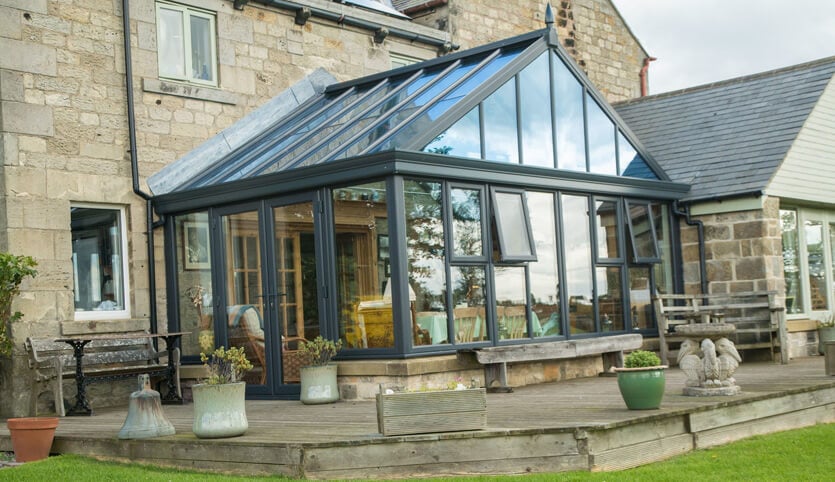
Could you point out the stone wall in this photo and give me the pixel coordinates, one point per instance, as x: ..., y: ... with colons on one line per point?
x: 592, y: 31
x: 743, y: 251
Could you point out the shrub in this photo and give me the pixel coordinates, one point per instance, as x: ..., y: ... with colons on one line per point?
x: 318, y: 352
x: 13, y: 270
x: 641, y: 359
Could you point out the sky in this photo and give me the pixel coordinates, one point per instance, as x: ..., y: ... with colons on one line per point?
x: 704, y: 41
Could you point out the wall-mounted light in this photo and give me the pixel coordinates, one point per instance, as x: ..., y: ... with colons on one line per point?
x: 302, y: 15
x: 239, y: 4
x: 380, y: 34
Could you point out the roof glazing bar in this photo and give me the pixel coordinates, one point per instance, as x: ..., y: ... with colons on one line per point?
x: 432, y: 102
x: 303, y: 156
x: 264, y: 165
x: 263, y: 142
x: 384, y: 116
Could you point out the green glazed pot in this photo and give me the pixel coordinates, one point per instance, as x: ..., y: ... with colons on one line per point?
x: 642, y: 388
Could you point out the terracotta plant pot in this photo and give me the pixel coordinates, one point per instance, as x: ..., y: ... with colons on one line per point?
x: 32, y: 437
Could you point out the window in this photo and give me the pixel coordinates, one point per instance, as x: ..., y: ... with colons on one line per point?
x: 186, y: 44
x: 642, y: 233
x: 99, y: 244
x: 399, y: 60
x: 513, y: 226
x: 808, y: 237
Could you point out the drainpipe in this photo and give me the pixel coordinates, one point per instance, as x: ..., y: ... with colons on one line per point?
x: 700, y: 230
x: 643, y: 75
x: 152, y: 284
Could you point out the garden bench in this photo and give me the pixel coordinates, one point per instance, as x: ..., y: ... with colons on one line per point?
x: 757, y: 317
x: 496, y: 358
x: 100, y: 358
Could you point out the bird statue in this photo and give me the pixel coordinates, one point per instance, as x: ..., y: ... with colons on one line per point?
x: 711, y: 364
x: 729, y: 360
x: 691, y: 363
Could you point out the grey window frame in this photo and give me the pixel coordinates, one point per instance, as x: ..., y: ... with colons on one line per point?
x: 505, y: 257
x: 636, y: 258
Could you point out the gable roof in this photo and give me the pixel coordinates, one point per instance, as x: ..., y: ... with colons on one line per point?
x: 410, y: 107
x: 728, y: 139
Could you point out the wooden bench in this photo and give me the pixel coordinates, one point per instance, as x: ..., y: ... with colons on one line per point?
x: 103, y: 358
x: 496, y: 358
x: 759, y: 320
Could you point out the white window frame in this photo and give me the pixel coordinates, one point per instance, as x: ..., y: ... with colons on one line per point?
x: 189, y: 12
x: 825, y: 217
x: 123, y: 232
x: 399, y: 60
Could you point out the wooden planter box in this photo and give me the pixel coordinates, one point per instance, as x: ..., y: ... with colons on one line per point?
x: 402, y: 413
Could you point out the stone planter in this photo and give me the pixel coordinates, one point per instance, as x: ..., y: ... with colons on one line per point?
x: 219, y: 410
x: 402, y: 413
x: 642, y: 388
x: 829, y: 357
x: 318, y: 384
x: 32, y: 437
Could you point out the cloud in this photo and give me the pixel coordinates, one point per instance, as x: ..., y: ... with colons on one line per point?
x: 712, y: 40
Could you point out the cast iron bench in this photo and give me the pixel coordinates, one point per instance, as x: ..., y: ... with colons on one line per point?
x: 496, y: 358
x: 100, y: 358
x: 759, y: 320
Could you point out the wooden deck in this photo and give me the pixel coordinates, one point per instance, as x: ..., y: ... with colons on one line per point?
x: 571, y: 425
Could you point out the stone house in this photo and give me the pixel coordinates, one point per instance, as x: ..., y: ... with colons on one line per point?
x: 79, y: 142
x: 759, y: 154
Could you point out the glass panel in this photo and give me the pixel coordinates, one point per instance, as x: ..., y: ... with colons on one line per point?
x: 297, y: 303
x: 424, y: 121
x: 469, y: 314
x: 818, y: 293
x: 201, y: 48
x: 832, y: 255
x: 642, y: 238
x: 362, y: 266
x: 97, y: 257
x: 610, y: 298
x: 601, y: 133
x: 791, y: 261
x: 511, y: 303
x: 360, y: 144
x: 571, y: 141
x: 425, y: 257
x: 463, y: 139
x: 535, y: 110
x: 171, y: 43
x: 664, y: 269
x: 575, y: 219
x: 545, y: 282
x: 347, y: 120
x: 608, y: 229
x: 245, y: 292
x: 640, y: 298
x: 631, y: 163
x: 466, y: 222
x: 501, y: 140
x: 513, y: 226
x: 194, y: 283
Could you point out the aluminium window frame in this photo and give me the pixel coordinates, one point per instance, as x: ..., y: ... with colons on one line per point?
x: 188, y: 12
x: 504, y: 256
x: 636, y: 258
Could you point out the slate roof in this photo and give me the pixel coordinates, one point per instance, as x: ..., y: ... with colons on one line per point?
x: 728, y: 139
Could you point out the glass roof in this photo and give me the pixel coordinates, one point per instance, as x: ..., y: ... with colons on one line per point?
x: 510, y: 102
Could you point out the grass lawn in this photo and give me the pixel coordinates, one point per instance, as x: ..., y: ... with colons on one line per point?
x: 806, y: 454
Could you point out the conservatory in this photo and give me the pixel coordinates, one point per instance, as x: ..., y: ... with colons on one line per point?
x: 484, y: 198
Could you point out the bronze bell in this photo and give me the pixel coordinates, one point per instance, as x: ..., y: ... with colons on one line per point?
x: 145, y: 416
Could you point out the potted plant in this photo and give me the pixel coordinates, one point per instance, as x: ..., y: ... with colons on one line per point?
x: 31, y: 436
x: 641, y: 381
x: 826, y: 331
x: 219, y: 401
x: 318, y: 374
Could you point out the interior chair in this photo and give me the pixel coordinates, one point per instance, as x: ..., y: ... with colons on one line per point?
x: 248, y: 320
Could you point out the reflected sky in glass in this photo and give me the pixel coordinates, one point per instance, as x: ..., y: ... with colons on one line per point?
x: 571, y: 147
x: 466, y: 222
x: 578, y: 267
x: 463, y: 139
x: 545, y: 284
x: 608, y: 228
x: 535, y: 105
x: 500, y: 139
x: 601, y: 132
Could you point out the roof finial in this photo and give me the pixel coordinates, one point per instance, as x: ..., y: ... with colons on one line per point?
x: 549, y: 16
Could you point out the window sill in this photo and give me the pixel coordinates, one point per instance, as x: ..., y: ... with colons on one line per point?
x: 190, y: 91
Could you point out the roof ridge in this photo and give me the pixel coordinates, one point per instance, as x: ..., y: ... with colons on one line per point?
x: 736, y: 80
